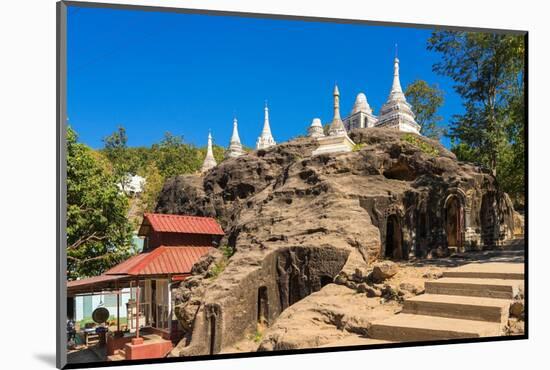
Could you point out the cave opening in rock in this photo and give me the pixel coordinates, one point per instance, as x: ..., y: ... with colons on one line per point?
x: 263, y: 306
x: 305, y: 270
x: 394, y: 238
x: 453, y: 222
x: 325, y: 280
x: 400, y: 171
x: 212, y: 334
x: 423, y: 225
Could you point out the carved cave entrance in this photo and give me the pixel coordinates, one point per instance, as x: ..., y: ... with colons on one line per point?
x: 305, y: 270
x: 212, y: 334
x: 394, y: 238
x: 263, y: 307
x: 453, y: 222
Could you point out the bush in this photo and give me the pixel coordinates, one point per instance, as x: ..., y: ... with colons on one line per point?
x: 217, y: 269
x: 421, y: 144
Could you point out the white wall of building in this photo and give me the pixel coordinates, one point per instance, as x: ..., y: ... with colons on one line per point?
x: 85, y: 305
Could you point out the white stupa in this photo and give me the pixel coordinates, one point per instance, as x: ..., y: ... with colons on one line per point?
x: 337, y: 140
x: 265, y: 140
x: 235, y: 148
x: 361, y: 115
x: 209, y: 160
x: 396, y: 113
x: 315, y: 129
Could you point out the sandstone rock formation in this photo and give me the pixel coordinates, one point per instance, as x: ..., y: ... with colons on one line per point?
x: 299, y: 222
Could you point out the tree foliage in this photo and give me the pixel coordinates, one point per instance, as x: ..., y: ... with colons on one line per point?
x: 154, y: 182
x: 488, y: 73
x: 117, y: 153
x: 98, y: 232
x: 426, y: 100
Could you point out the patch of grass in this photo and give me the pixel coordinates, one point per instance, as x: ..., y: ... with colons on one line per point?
x: 256, y: 337
x: 422, y: 145
x: 227, y: 251
x: 217, y: 269
x: 358, y: 147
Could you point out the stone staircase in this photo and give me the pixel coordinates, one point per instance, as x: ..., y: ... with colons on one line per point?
x: 470, y: 301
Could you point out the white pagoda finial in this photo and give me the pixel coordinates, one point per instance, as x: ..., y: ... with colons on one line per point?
x: 337, y: 126
x: 235, y: 148
x: 267, y: 129
x: 266, y: 139
x: 209, y: 160
x: 235, y: 136
x: 396, y: 86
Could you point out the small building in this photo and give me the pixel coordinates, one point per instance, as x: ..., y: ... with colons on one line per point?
x: 172, y: 245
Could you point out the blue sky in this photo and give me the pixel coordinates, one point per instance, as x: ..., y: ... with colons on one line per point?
x: 153, y: 72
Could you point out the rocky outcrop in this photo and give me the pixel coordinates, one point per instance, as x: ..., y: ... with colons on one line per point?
x: 299, y: 222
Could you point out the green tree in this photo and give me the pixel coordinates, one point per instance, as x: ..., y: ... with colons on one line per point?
x: 426, y: 100
x: 116, y: 150
x: 173, y: 157
x: 488, y: 73
x: 153, y: 185
x: 98, y: 233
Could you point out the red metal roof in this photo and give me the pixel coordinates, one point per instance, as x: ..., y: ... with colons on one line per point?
x: 162, y: 260
x: 91, y: 280
x: 96, y: 284
x: 183, y: 224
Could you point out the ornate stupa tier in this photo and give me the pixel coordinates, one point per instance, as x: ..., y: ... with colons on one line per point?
x: 209, y: 160
x: 265, y: 140
x: 315, y: 129
x: 337, y: 140
x: 396, y: 112
x: 235, y: 148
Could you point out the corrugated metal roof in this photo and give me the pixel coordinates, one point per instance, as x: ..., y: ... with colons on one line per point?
x: 162, y: 260
x: 96, y: 284
x: 91, y: 280
x: 183, y: 224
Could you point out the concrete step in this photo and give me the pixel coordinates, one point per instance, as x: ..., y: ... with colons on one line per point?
x: 458, y: 307
x: 354, y: 340
x: 489, y: 288
x: 492, y: 270
x: 407, y: 327
x: 115, y: 358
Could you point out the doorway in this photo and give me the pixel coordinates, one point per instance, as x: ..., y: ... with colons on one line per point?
x: 453, y: 222
x: 212, y: 334
x: 394, y: 238
x: 263, y: 308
